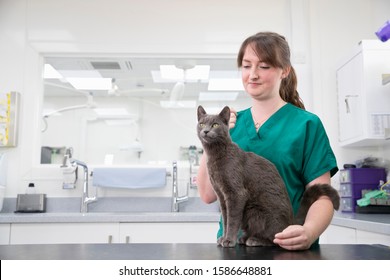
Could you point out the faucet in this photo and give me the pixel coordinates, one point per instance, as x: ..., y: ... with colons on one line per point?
x: 85, y: 199
x: 74, y: 163
x: 176, y: 199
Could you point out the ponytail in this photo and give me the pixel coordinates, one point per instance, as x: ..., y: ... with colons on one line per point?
x: 288, y: 90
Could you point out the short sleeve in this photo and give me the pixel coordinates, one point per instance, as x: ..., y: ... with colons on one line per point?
x: 318, y: 155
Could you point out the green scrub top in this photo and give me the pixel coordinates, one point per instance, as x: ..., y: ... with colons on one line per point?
x: 294, y: 140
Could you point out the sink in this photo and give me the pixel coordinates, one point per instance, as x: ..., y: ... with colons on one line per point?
x: 130, y: 205
x: 120, y: 206
x: 114, y: 209
x: 149, y: 205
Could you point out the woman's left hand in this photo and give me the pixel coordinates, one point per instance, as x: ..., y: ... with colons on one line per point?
x: 294, y: 237
x: 233, y: 118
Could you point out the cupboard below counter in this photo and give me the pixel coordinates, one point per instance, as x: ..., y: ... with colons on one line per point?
x: 68, y: 228
x: 354, y: 228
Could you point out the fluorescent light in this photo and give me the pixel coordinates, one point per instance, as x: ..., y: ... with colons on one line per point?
x: 156, y: 75
x: 225, y: 84
x: 80, y: 74
x: 171, y: 72
x: 183, y: 104
x: 90, y: 83
x: 218, y: 96
x: 50, y: 73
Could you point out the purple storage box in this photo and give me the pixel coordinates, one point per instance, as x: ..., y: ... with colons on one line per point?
x: 354, y: 180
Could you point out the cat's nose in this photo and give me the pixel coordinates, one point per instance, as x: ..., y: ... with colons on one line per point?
x: 206, y: 131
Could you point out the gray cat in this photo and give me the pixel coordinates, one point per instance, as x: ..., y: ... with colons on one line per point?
x: 251, y: 193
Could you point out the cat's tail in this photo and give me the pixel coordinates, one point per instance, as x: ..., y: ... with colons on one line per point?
x: 311, y: 194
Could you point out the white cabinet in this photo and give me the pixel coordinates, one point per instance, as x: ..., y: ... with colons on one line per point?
x: 345, y: 235
x: 338, y: 235
x: 363, y: 101
x: 365, y: 237
x: 64, y: 233
x: 84, y: 233
x: 4, y: 234
x: 168, y: 232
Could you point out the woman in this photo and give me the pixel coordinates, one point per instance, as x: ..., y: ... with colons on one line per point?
x: 278, y: 128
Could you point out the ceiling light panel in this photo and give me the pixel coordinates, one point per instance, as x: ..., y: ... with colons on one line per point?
x: 90, y: 83
x: 171, y: 72
x: 80, y: 74
x: 51, y: 73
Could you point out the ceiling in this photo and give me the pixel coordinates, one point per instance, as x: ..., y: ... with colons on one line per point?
x: 133, y: 74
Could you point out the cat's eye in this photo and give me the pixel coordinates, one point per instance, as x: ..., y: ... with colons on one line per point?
x: 215, y: 125
x: 202, y: 125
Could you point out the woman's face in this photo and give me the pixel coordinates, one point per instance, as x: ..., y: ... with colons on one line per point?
x: 261, y: 80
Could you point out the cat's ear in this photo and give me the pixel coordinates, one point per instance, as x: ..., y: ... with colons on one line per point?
x: 201, y: 112
x: 225, y: 114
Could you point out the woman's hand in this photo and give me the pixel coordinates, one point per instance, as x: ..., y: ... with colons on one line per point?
x: 233, y: 118
x: 294, y: 237
x: 297, y: 237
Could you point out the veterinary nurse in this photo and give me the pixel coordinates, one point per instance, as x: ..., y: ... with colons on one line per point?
x: 278, y: 127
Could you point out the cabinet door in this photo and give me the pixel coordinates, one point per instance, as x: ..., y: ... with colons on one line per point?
x: 338, y: 235
x: 377, y: 63
x: 64, y: 233
x: 365, y: 237
x: 168, y: 232
x: 349, y: 87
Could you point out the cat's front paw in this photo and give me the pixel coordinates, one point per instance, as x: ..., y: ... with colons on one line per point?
x: 227, y: 243
x: 254, y: 242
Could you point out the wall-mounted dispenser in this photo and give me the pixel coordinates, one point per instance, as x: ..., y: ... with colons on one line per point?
x: 9, y: 103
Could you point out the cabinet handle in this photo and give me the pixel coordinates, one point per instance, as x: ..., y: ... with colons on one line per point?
x: 347, y: 108
x: 109, y: 239
x: 127, y: 239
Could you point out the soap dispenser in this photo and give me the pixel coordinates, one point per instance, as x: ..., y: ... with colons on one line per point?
x: 31, y: 189
x: 31, y: 201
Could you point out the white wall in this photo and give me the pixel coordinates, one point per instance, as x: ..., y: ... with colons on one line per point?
x: 323, y: 30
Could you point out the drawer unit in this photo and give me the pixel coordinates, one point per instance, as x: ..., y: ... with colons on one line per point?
x: 346, y: 204
x: 353, y: 181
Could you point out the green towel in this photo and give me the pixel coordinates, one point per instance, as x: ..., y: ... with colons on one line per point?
x: 372, y: 194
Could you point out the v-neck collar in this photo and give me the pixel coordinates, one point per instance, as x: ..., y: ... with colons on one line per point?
x: 250, y: 126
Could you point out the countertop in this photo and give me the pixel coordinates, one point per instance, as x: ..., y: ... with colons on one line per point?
x: 117, y: 209
x: 377, y: 223
x: 188, y: 252
x: 128, y: 210
x: 114, y: 217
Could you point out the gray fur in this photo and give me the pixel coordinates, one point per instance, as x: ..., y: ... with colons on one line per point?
x: 251, y: 193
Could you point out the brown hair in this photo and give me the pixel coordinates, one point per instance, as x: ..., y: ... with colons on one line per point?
x: 274, y: 50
